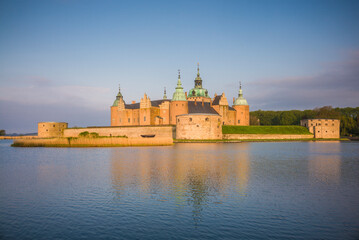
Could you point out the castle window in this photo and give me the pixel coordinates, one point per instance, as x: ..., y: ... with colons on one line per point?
x: 176, y: 105
x: 178, y: 120
x: 134, y: 120
x: 182, y: 104
x: 332, y: 124
x: 120, y: 119
x: 144, y: 119
x: 239, y: 121
x: 319, y: 124
x: 43, y: 125
x: 190, y: 119
x: 219, y: 120
x: 129, y: 120
x: 54, y: 125
x: 326, y: 124
x: 197, y: 125
x: 47, y: 130
x: 207, y: 119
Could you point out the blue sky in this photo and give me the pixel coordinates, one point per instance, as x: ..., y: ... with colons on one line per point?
x: 62, y: 60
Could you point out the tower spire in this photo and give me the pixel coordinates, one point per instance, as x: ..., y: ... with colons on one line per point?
x: 164, y: 94
x: 240, y: 92
x: 119, y: 94
x: 198, y: 69
x: 179, y: 95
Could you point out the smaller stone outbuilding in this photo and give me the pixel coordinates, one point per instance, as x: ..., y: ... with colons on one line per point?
x: 322, y: 128
x: 51, y: 129
x: 199, y: 126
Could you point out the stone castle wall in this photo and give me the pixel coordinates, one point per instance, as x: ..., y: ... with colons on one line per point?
x: 51, y: 129
x: 322, y: 128
x: 131, y: 132
x: 199, y: 126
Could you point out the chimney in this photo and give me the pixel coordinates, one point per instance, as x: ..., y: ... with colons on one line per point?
x: 186, y: 94
x: 202, y: 102
x: 233, y: 100
x: 133, y: 102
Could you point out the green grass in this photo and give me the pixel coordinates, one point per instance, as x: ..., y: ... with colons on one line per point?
x: 264, y: 130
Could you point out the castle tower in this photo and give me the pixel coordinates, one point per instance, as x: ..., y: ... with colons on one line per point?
x: 179, y: 104
x: 198, y: 93
x: 242, y: 109
x: 117, y: 106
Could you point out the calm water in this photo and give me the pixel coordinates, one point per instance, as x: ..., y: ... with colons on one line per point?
x: 298, y: 190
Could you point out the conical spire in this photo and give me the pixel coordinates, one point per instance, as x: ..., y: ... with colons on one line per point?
x: 240, y: 99
x: 118, y: 97
x: 164, y: 94
x: 240, y: 92
x: 179, y: 95
x: 179, y: 83
x: 119, y: 94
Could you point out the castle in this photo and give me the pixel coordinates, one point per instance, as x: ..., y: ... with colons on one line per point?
x: 196, y: 115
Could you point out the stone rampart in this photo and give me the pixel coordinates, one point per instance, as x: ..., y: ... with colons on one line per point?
x: 199, y: 126
x: 50, y: 129
x: 131, y: 132
x: 267, y: 136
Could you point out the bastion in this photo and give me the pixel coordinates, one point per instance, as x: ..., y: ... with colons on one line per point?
x: 51, y: 129
x: 199, y: 126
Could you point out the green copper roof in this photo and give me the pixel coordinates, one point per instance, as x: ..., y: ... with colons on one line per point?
x: 118, y: 97
x: 240, y: 99
x: 198, y: 91
x: 179, y: 94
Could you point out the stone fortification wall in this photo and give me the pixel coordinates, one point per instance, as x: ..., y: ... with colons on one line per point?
x: 199, y: 126
x: 131, y: 132
x: 322, y: 128
x: 51, y: 129
x: 267, y: 136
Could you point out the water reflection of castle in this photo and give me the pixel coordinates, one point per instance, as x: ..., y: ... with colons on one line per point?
x: 188, y: 174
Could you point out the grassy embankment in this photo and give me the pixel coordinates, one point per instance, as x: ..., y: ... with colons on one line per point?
x: 293, y: 130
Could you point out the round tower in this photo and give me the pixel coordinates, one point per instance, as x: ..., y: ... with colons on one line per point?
x: 242, y: 109
x: 179, y: 104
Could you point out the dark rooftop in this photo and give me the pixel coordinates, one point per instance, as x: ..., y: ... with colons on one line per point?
x: 155, y: 103
x: 216, y: 100
x: 198, y: 108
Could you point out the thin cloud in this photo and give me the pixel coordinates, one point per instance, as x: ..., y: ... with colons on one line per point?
x: 337, y: 85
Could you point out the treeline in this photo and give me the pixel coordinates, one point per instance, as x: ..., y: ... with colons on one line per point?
x: 349, y: 122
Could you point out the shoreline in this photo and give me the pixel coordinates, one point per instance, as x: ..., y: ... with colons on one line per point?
x: 139, y: 142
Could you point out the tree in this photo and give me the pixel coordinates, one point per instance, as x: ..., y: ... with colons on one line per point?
x: 253, y: 120
x: 2, y: 132
x: 287, y: 118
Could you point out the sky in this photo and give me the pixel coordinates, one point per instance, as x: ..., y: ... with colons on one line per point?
x: 63, y: 60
